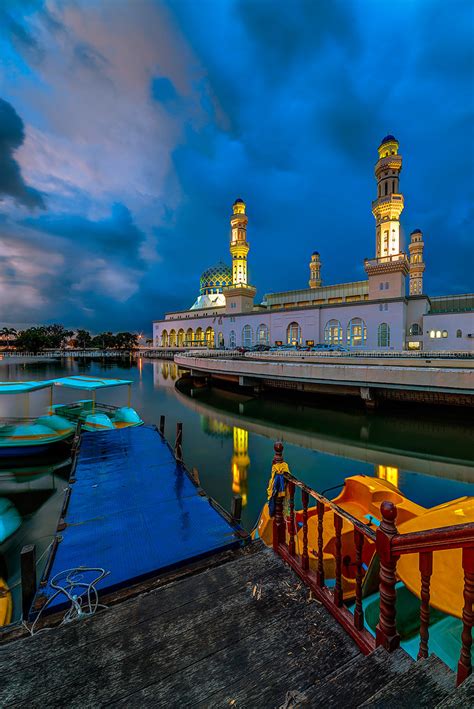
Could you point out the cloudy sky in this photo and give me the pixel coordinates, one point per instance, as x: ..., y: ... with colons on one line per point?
x: 128, y: 128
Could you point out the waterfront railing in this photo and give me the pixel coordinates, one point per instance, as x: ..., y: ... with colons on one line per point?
x: 389, y: 546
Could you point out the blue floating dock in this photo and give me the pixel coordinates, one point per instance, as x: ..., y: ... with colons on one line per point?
x: 134, y: 511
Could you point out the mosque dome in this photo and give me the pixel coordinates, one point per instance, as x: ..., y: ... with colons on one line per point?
x: 416, y: 231
x: 388, y: 139
x: 315, y: 253
x: 215, y: 278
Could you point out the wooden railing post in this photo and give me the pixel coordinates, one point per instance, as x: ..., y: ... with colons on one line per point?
x: 358, y: 612
x: 338, y: 597
x: 178, y: 449
x: 425, y: 563
x: 304, y: 555
x: 236, y: 508
x: 28, y: 578
x: 320, y: 570
x: 464, y: 664
x: 291, y: 543
x: 386, y: 631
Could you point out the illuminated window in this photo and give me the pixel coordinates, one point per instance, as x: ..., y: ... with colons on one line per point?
x: 172, y: 338
x: 383, y: 335
x: 432, y: 334
x: 199, y: 337
x: 189, y: 337
x: 164, y: 338
x: 333, y: 333
x: 356, y: 333
x: 181, y: 338
x: 458, y: 333
x: 293, y: 334
x: 262, y: 334
x: 415, y: 329
x: 232, y: 339
x: 247, y: 336
x: 444, y: 333
x: 209, y: 337
x: 438, y: 333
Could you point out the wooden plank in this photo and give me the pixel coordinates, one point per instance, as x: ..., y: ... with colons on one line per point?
x: 351, y: 685
x: 425, y: 684
x: 296, y: 665
x: 251, y: 568
x: 127, y: 659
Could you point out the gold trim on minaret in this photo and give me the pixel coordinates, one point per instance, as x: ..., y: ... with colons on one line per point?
x: 239, y: 246
x: 315, y: 271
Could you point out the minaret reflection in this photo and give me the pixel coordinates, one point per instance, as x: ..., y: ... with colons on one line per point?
x: 388, y: 473
x: 240, y: 464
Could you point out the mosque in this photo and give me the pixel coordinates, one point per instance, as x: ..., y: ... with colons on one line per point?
x: 389, y: 310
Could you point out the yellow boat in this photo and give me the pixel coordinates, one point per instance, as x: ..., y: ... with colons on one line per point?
x: 6, y: 604
x: 361, y: 497
x: 447, y: 580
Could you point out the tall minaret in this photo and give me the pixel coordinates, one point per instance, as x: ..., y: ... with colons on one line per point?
x: 417, y: 265
x: 389, y: 203
x: 239, y: 247
x: 315, y: 270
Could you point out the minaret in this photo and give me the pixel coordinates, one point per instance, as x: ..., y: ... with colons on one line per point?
x: 315, y: 270
x: 388, y: 270
x: 389, y: 203
x: 239, y: 247
x: 417, y: 265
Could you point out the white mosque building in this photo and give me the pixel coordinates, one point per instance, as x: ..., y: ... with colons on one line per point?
x: 382, y: 312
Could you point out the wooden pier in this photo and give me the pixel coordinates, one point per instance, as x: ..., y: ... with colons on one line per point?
x: 243, y: 633
x: 229, y: 623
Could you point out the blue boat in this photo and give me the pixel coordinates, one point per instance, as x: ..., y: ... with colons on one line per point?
x: 24, y: 437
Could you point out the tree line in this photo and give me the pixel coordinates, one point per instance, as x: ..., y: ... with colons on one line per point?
x: 44, y: 337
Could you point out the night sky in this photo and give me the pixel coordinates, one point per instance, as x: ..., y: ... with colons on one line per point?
x: 127, y: 129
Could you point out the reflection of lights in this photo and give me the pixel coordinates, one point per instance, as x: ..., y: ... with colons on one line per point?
x: 240, y: 463
x: 140, y: 366
x: 388, y: 473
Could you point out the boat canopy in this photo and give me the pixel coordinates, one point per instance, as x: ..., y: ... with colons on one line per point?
x: 22, y: 387
x: 88, y: 383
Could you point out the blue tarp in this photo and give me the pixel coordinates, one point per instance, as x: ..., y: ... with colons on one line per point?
x: 134, y: 511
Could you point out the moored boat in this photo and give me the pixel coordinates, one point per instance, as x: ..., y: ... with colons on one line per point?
x: 361, y: 497
x: 91, y: 414
x: 22, y: 437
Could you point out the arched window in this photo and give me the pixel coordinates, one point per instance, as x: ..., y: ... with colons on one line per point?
x: 209, y: 337
x: 247, y: 336
x: 232, y: 339
x: 293, y: 334
x: 386, y: 187
x: 220, y: 339
x: 333, y: 333
x: 172, y: 338
x: 356, y: 333
x: 199, y: 337
x: 189, y: 337
x: 415, y: 329
x: 383, y: 335
x: 458, y: 333
x: 181, y: 338
x: 262, y: 334
x: 164, y: 338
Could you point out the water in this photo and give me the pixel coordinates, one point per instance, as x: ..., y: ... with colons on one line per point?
x: 229, y: 439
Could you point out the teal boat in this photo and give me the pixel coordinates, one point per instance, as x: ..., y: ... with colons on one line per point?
x: 24, y: 436
x: 91, y: 414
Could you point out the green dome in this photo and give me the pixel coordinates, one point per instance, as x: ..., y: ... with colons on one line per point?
x: 215, y: 278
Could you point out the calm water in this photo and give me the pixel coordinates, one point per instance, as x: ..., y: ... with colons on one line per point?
x: 229, y: 439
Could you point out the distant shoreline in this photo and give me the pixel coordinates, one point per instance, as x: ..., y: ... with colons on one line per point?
x: 26, y: 360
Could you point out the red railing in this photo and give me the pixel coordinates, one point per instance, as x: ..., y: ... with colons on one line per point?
x: 389, y: 546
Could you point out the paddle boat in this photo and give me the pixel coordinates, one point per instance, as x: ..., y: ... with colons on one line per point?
x: 92, y: 415
x: 24, y: 436
x: 446, y: 588
x: 361, y: 497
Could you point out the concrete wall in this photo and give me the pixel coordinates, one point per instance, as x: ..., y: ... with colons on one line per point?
x: 450, y: 323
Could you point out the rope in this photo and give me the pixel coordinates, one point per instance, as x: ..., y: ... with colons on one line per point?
x: 82, y: 595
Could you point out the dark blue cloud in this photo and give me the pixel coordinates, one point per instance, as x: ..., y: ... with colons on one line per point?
x: 12, y: 135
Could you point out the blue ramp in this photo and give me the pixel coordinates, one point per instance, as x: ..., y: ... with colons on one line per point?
x: 134, y: 511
